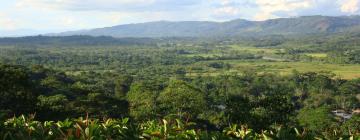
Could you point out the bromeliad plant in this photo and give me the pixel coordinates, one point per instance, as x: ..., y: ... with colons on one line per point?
x: 240, y: 133
x: 26, y: 128
x: 83, y: 129
x: 168, y: 130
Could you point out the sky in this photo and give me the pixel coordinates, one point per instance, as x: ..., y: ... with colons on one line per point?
x: 20, y: 17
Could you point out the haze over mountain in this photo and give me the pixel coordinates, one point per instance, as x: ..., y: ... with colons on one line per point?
x: 282, y: 26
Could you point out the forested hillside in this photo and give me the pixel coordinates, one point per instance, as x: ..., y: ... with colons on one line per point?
x: 284, y: 26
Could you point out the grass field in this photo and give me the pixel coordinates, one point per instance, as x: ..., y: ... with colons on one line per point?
x: 254, y: 49
x: 345, y: 71
x: 201, y: 55
x: 317, y: 55
x: 285, y: 68
x: 232, y: 48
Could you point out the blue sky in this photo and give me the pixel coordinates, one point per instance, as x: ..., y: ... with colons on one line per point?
x: 40, y: 16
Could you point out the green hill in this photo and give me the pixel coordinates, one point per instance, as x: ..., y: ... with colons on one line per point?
x: 282, y: 26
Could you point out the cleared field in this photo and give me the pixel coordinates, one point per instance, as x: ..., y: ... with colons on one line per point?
x: 202, y: 55
x: 284, y: 68
x: 317, y: 55
x: 221, y: 51
x: 254, y: 49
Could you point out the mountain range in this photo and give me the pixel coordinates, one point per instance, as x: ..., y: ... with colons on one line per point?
x: 281, y: 26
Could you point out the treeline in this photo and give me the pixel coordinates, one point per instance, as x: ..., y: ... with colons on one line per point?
x: 79, y: 40
x: 303, y: 100
x: 127, y: 59
x: 340, y: 48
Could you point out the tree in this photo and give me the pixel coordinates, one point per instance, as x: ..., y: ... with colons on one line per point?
x: 16, y: 90
x: 238, y: 109
x: 182, y: 99
x: 122, y: 86
x: 347, y: 91
x: 142, y: 100
x: 317, y: 120
x: 273, y: 109
x: 352, y: 125
x: 54, y: 107
x: 101, y: 105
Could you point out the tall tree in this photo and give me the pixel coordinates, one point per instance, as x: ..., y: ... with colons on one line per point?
x: 16, y: 90
x: 122, y: 86
x: 182, y: 99
x: 142, y: 99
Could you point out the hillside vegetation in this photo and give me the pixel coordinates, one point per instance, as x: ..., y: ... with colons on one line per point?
x: 216, y: 90
x: 284, y: 26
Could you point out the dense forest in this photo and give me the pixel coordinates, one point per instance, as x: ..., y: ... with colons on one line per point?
x: 269, y: 87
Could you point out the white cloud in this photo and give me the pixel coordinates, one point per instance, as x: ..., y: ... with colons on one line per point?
x: 267, y: 8
x: 74, y: 3
x: 225, y: 2
x: 114, y: 17
x: 108, y: 5
x: 228, y: 10
x: 80, y: 14
x: 222, y: 10
x: 7, y: 23
x: 349, y: 6
x: 261, y: 9
x: 67, y: 21
x: 87, y: 19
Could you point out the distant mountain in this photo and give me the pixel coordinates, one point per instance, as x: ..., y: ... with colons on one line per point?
x: 282, y: 26
x: 76, y: 40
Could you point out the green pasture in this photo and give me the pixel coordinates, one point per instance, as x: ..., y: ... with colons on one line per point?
x: 345, y: 71
x: 255, y: 50
x: 317, y: 55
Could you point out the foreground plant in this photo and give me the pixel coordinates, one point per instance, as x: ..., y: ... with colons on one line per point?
x: 26, y: 128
